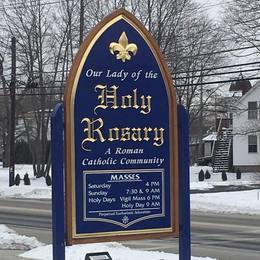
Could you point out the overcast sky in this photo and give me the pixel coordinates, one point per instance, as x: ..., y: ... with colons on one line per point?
x: 213, y: 7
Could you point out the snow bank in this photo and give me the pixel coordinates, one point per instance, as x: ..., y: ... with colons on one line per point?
x: 37, y: 190
x: 116, y: 251
x: 243, y: 202
x: 247, y: 179
x: 9, y: 239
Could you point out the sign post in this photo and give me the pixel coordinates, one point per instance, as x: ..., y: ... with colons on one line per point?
x: 184, y: 185
x: 58, y: 211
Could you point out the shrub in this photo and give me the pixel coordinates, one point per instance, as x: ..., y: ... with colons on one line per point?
x: 224, y: 176
x: 48, y: 180
x: 26, y: 179
x: 238, y: 173
x: 207, y: 175
x: 201, y: 175
x: 17, y: 180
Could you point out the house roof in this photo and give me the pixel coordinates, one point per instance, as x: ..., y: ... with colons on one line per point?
x: 241, y: 84
x: 257, y: 85
x: 210, y: 137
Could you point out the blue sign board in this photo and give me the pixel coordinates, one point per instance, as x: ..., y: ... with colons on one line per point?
x: 121, y: 137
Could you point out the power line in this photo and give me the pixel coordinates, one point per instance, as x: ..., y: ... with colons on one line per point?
x: 20, y: 5
x: 34, y: 94
x: 224, y: 51
x: 173, y: 73
x: 218, y: 52
x: 202, y: 54
x: 216, y: 68
x: 217, y: 74
x: 183, y: 57
x: 47, y: 85
x: 206, y: 42
x: 218, y: 4
x: 176, y: 85
x: 213, y: 82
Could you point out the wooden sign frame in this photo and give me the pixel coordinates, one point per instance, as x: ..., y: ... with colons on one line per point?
x: 71, y: 86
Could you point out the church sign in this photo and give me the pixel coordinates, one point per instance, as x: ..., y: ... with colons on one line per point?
x: 121, y: 137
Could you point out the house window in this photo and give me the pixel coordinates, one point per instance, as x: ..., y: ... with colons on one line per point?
x: 252, y: 110
x: 252, y: 143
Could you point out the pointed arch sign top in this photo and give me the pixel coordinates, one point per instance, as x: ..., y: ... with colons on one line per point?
x: 120, y: 137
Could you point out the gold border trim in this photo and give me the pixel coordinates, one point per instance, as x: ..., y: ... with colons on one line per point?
x: 70, y: 92
x: 108, y: 234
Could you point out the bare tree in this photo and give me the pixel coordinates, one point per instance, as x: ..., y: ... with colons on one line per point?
x: 48, y: 39
x: 242, y: 22
x: 39, y: 56
x: 187, y: 38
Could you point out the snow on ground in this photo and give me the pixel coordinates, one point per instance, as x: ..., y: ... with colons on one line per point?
x: 9, y: 239
x: 37, y: 190
x: 242, y: 202
x: 116, y: 251
x: 247, y: 179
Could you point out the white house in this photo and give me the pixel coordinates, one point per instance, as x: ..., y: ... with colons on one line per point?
x: 246, y: 131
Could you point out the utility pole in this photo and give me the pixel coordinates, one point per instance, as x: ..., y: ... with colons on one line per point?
x: 12, y: 114
x: 81, y: 22
x: 201, y: 123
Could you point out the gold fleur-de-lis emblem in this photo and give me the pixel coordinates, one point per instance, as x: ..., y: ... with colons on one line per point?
x: 122, y: 48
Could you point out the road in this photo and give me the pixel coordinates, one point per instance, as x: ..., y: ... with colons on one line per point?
x: 225, y: 237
